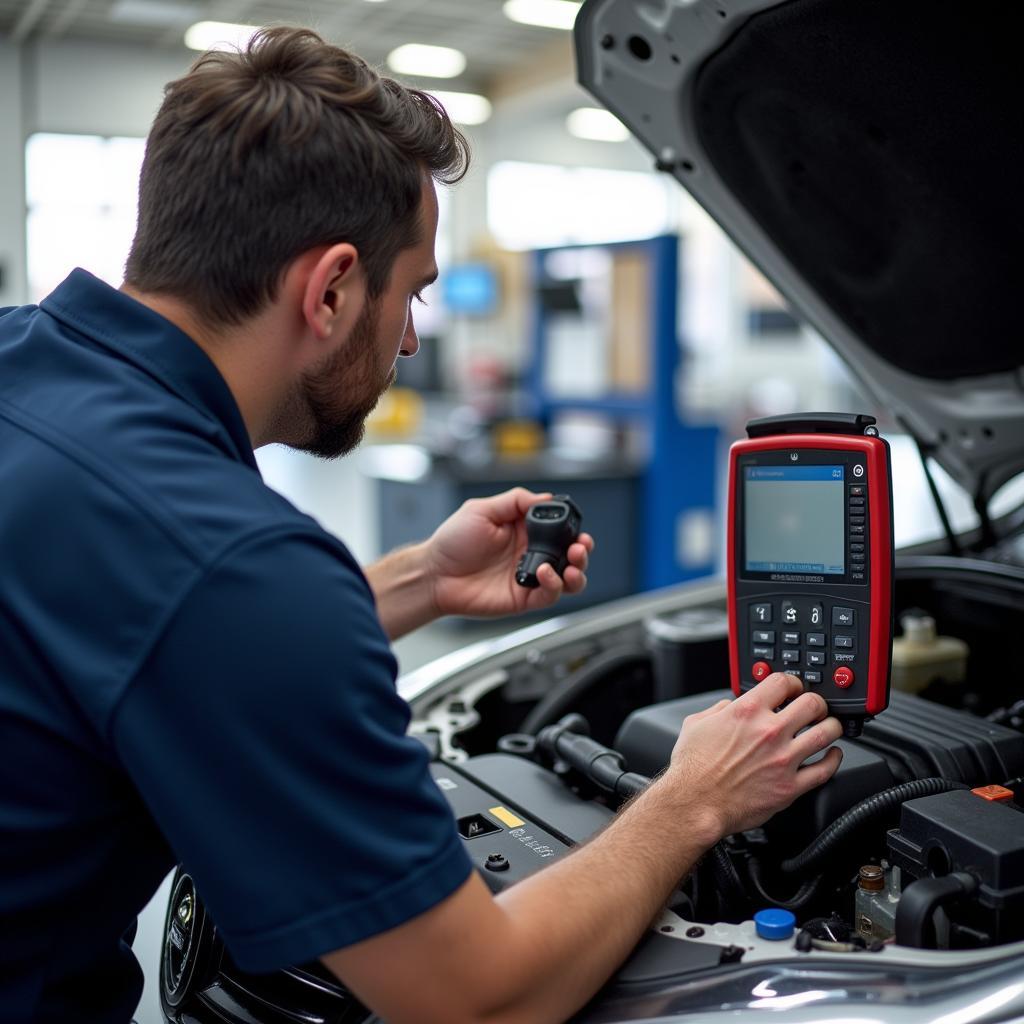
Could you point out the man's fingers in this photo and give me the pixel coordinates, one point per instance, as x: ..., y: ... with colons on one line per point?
x: 807, y: 708
x: 820, y: 772
x: 578, y: 556
x: 773, y: 691
x: 513, y: 503
x: 816, y: 738
x: 587, y: 541
x: 574, y: 580
x: 549, y: 580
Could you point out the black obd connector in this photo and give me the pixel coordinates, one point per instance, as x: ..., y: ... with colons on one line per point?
x: 551, y: 526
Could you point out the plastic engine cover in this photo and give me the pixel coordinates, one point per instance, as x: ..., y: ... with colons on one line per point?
x: 913, y: 739
x: 959, y: 831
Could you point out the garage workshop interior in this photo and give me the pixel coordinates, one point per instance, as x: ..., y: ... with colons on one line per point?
x: 730, y: 283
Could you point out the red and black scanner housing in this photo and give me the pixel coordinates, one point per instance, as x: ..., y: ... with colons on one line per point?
x: 829, y: 622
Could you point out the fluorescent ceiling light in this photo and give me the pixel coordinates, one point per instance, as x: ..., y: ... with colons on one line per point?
x: 464, y: 107
x: 546, y: 13
x: 219, y: 35
x: 595, y: 123
x: 430, y: 61
x: 154, y: 12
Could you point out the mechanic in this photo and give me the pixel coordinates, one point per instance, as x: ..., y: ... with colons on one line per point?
x: 192, y: 669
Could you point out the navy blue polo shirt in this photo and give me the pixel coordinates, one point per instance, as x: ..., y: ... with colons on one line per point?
x: 190, y: 669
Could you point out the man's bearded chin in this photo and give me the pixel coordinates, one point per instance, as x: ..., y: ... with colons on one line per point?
x: 341, y: 393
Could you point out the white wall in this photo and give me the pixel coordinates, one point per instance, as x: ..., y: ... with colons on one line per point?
x: 97, y: 88
x: 13, y: 287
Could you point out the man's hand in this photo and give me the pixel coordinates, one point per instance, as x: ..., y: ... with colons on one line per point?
x: 468, y: 567
x: 472, y: 556
x: 741, y: 760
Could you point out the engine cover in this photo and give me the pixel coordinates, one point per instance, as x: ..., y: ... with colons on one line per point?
x: 913, y: 739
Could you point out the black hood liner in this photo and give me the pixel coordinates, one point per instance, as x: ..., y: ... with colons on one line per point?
x: 879, y: 144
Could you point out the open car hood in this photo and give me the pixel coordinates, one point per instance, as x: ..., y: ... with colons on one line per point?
x: 866, y: 156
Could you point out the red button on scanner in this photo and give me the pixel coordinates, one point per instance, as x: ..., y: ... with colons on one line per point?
x: 760, y: 670
x: 843, y: 677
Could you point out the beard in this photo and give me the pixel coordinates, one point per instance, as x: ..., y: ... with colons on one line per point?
x: 336, y: 396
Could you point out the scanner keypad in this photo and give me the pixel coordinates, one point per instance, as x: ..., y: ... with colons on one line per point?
x: 830, y: 639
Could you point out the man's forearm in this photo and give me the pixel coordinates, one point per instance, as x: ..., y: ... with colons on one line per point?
x: 403, y: 590
x: 606, y: 893
x: 538, y: 952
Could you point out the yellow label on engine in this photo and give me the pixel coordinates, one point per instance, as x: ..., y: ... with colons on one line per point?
x: 505, y: 815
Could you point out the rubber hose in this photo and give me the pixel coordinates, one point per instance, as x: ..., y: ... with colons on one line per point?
x: 727, y: 880
x: 807, y: 891
x: 915, y: 916
x: 867, y: 810
x: 554, y: 704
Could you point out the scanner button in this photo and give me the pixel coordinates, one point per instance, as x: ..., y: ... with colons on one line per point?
x: 812, y: 676
x: 857, y: 546
x: 842, y: 616
x: 789, y: 613
x: 857, y: 491
x: 815, y: 639
x: 760, y: 670
x: 764, y: 636
x: 842, y: 641
x: 843, y: 677
x: 856, y: 531
x: 856, y: 520
x: 817, y: 615
x: 790, y: 657
x: 768, y: 653
x: 760, y: 613
x: 857, y: 577
x: 856, y: 502
x: 791, y: 638
x: 815, y: 657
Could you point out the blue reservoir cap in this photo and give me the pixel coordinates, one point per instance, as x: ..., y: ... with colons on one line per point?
x: 774, y: 924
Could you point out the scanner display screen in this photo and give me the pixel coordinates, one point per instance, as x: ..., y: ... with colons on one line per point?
x: 794, y: 519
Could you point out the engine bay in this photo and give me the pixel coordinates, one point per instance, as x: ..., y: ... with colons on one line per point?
x: 917, y: 843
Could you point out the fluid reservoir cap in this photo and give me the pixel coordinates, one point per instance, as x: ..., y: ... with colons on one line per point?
x: 774, y: 924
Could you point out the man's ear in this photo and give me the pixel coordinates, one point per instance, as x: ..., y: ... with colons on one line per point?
x: 334, y: 290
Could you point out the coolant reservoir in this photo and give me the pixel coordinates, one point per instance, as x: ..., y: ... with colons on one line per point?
x: 919, y: 657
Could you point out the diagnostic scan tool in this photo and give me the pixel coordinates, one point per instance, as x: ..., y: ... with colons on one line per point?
x: 811, y: 559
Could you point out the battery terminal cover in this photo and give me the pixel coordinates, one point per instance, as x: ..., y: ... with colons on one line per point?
x: 995, y: 793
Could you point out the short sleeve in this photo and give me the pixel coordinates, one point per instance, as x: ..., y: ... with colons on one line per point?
x: 268, y: 741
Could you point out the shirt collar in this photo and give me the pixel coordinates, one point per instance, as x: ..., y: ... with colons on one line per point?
x: 141, y: 336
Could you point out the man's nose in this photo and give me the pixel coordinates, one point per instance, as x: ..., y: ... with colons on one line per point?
x: 410, y: 341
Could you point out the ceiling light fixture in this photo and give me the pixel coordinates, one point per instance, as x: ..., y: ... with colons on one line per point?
x: 597, y: 124
x: 546, y: 13
x: 158, y: 13
x: 219, y: 35
x: 428, y: 61
x: 464, y: 107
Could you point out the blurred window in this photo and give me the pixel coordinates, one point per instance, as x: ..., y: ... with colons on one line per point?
x: 532, y: 206
x: 81, y: 194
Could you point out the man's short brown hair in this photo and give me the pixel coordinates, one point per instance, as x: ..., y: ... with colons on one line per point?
x: 258, y: 156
